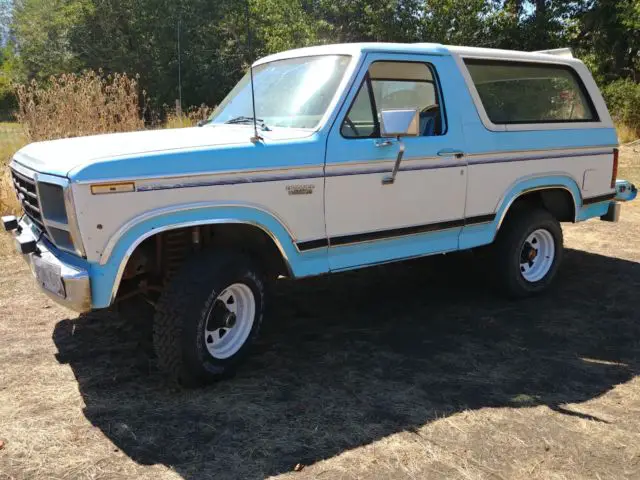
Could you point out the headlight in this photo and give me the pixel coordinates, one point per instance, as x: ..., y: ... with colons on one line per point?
x: 52, y: 202
x: 59, y: 213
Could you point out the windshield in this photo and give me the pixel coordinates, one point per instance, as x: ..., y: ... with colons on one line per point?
x: 289, y: 93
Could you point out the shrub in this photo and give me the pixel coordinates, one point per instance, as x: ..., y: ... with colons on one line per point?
x: 8, y: 101
x: 72, y: 105
x: 623, y: 100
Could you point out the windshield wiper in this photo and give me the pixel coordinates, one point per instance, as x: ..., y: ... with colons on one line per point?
x: 248, y: 120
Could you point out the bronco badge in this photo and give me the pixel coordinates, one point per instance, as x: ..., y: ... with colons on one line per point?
x: 300, y: 189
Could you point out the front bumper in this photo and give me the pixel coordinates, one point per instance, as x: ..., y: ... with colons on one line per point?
x: 67, y: 284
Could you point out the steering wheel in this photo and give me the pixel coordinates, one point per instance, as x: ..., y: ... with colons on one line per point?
x: 430, y: 108
x: 352, y: 126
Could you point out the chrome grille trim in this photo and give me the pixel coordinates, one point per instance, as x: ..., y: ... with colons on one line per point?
x: 27, y: 191
x: 27, y: 184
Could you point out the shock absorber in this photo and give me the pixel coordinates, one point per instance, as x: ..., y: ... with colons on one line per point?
x: 176, y: 245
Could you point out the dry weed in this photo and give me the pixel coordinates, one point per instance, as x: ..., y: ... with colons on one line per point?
x: 12, y: 137
x: 72, y: 105
x: 627, y: 133
x: 68, y: 105
x: 190, y: 118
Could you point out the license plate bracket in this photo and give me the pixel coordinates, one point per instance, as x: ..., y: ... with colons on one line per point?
x: 49, y: 276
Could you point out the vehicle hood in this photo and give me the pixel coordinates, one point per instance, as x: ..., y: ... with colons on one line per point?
x: 67, y: 156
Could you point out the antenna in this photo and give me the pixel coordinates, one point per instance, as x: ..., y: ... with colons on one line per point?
x: 256, y: 137
x: 179, y: 65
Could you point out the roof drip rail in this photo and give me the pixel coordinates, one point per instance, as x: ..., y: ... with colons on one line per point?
x: 558, y: 52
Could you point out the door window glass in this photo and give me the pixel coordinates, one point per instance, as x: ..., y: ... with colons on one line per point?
x: 395, y: 85
x: 360, y: 121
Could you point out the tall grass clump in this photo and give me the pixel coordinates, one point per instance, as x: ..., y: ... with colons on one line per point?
x: 68, y: 105
x: 71, y: 105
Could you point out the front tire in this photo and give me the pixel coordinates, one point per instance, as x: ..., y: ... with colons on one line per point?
x: 208, y: 317
x: 528, y: 252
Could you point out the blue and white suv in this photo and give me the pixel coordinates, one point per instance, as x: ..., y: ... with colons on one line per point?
x: 360, y: 154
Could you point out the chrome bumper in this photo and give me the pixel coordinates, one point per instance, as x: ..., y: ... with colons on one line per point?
x: 625, y: 192
x: 66, y: 284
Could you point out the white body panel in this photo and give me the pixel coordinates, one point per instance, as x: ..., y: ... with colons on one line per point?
x: 361, y: 203
x: 488, y: 182
x: 302, y: 215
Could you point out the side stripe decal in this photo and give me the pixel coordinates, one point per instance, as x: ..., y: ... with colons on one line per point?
x: 239, y: 178
x: 393, y: 233
x: 533, y: 157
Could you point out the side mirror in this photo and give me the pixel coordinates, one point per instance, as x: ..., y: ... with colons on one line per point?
x: 398, y: 123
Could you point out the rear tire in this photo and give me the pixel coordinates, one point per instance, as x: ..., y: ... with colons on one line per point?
x: 528, y: 252
x: 208, y: 317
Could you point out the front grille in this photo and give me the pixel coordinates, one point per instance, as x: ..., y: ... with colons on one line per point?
x: 28, y: 195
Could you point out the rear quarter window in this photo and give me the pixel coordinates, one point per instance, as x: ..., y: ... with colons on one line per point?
x: 520, y: 93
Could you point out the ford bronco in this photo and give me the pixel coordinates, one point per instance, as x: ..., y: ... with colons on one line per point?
x: 332, y: 158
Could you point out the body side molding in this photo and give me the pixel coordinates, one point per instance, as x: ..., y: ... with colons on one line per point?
x: 377, y: 235
x: 600, y: 198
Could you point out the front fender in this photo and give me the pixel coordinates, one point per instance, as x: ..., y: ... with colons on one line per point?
x: 106, y: 275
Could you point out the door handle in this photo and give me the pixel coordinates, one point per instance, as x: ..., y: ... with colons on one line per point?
x: 383, y: 143
x: 450, y: 152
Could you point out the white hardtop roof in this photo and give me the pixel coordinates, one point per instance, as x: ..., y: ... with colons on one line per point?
x: 419, y: 48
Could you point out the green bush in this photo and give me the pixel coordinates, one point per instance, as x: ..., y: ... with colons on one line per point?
x: 8, y: 100
x: 623, y: 99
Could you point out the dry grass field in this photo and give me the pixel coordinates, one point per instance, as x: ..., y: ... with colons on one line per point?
x: 412, y: 371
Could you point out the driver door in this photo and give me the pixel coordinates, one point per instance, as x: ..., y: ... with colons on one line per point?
x: 422, y: 212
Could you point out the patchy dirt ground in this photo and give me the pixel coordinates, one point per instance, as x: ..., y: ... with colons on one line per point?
x: 408, y: 371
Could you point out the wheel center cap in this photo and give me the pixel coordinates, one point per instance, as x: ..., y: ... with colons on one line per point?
x: 229, y: 320
x: 533, y: 253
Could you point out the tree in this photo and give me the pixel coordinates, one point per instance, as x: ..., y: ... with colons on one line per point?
x: 368, y: 20
x: 456, y: 22
x: 201, y: 45
x: 41, y: 31
x: 608, y: 35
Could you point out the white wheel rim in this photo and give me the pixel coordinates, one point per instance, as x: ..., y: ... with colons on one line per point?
x: 229, y: 321
x: 537, y: 255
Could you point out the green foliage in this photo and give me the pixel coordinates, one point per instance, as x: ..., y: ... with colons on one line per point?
x: 623, y: 99
x: 42, y: 30
x: 204, y: 43
x: 143, y: 36
x: 608, y: 34
x: 456, y: 22
x: 9, y: 75
x: 281, y: 25
x: 369, y: 20
x: 530, y: 24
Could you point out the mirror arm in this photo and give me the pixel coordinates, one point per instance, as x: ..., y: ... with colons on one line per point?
x: 390, y: 179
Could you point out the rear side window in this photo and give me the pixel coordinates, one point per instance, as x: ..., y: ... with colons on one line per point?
x: 515, y: 92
